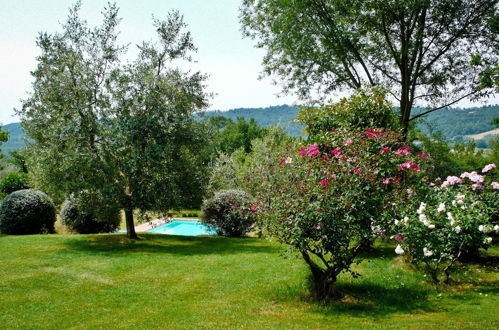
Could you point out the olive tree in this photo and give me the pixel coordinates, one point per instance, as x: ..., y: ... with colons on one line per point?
x: 123, y: 131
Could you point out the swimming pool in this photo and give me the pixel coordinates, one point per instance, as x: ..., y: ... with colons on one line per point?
x: 183, y: 228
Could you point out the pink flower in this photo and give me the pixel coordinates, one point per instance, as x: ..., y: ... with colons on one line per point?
x: 450, y: 181
x: 347, y: 142
x: 282, y: 160
x: 335, y: 151
x: 384, y: 149
x: 313, y: 150
x: 302, y: 152
x: 423, y: 155
x: 355, y: 170
x: 233, y: 206
x: 354, y: 153
x: 385, y: 181
x: 371, y: 133
x: 495, y: 185
x: 415, y: 168
x: 254, y: 208
x: 407, y: 164
x: 394, y: 178
x: 477, y: 186
x: 488, y: 168
x: 400, y: 169
x: 324, y: 183
x: 399, y: 238
x: 318, y: 227
x: 402, y: 151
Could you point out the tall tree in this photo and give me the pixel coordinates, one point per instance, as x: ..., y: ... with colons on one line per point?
x: 123, y: 132
x: 433, y: 51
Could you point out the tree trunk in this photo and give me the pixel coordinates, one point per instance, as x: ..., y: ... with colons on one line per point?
x: 130, y: 226
x: 324, y: 281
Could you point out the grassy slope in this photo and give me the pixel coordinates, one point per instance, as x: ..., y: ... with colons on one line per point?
x: 106, y: 281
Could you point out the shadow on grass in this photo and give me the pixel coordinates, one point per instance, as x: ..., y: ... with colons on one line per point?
x: 365, y: 299
x: 176, y: 245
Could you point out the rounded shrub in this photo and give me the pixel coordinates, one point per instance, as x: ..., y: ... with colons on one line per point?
x: 14, y: 181
x: 230, y: 212
x: 82, y: 220
x: 26, y: 212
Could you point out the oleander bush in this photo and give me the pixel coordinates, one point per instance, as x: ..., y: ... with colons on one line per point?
x: 230, y: 212
x: 26, y: 212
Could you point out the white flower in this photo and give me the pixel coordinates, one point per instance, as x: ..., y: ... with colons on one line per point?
x: 441, y: 207
x: 427, y: 252
x: 421, y: 208
x: 452, y: 222
x: 463, y: 207
x: 487, y: 240
x: 431, y: 226
x: 460, y: 196
x: 399, y: 250
x: 454, y: 203
x: 460, y: 202
x: 422, y: 218
x: 396, y: 222
x: 449, y: 216
x: 288, y: 160
x: 457, y: 229
x: 496, y: 227
x: 485, y: 229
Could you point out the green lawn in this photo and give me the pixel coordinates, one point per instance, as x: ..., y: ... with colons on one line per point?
x: 107, y: 281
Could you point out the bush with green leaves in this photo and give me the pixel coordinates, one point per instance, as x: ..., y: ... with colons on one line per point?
x: 26, y: 212
x: 79, y: 217
x: 230, y: 212
x: 14, y: 181
x: 366, y: 108
x: 454, y: 219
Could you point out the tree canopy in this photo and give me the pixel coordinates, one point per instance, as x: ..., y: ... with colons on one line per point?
x: 430, y: 52
x: 121, y: 133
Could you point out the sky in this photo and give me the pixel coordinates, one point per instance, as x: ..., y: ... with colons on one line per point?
x: 232, y: 61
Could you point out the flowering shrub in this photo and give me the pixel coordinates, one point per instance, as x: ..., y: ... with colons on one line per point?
x: 230, y: 212
x: 322, y: 199
x: 453, y: 220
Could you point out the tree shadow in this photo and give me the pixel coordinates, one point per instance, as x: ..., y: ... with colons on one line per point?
x: 117, y: 244
x: 363, y: 299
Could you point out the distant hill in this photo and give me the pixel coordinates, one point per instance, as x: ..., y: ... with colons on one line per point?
x: 16, y: 138
x: 456, y: 124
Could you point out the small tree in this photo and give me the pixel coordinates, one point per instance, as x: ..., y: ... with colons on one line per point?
x: 123, y: 132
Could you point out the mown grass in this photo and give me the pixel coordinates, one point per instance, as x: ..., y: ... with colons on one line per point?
x: 108, y: 281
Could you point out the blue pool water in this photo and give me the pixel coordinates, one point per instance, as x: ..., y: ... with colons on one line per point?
x: 183, y: 228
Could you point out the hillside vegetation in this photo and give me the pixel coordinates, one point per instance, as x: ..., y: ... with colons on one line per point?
x: 455, y: 123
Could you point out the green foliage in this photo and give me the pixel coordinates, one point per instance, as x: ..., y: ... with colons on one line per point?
x: 79, y: 217
x: 420, y: 50
x: 26, y: 212
x: 241, y: 170
x: 234, y: 135
x: 125, y: 132
x: 230, y: 212
x: 18, y: 158
x: 365, y: 108
x: 14, y: 181
x: 4, y: 136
